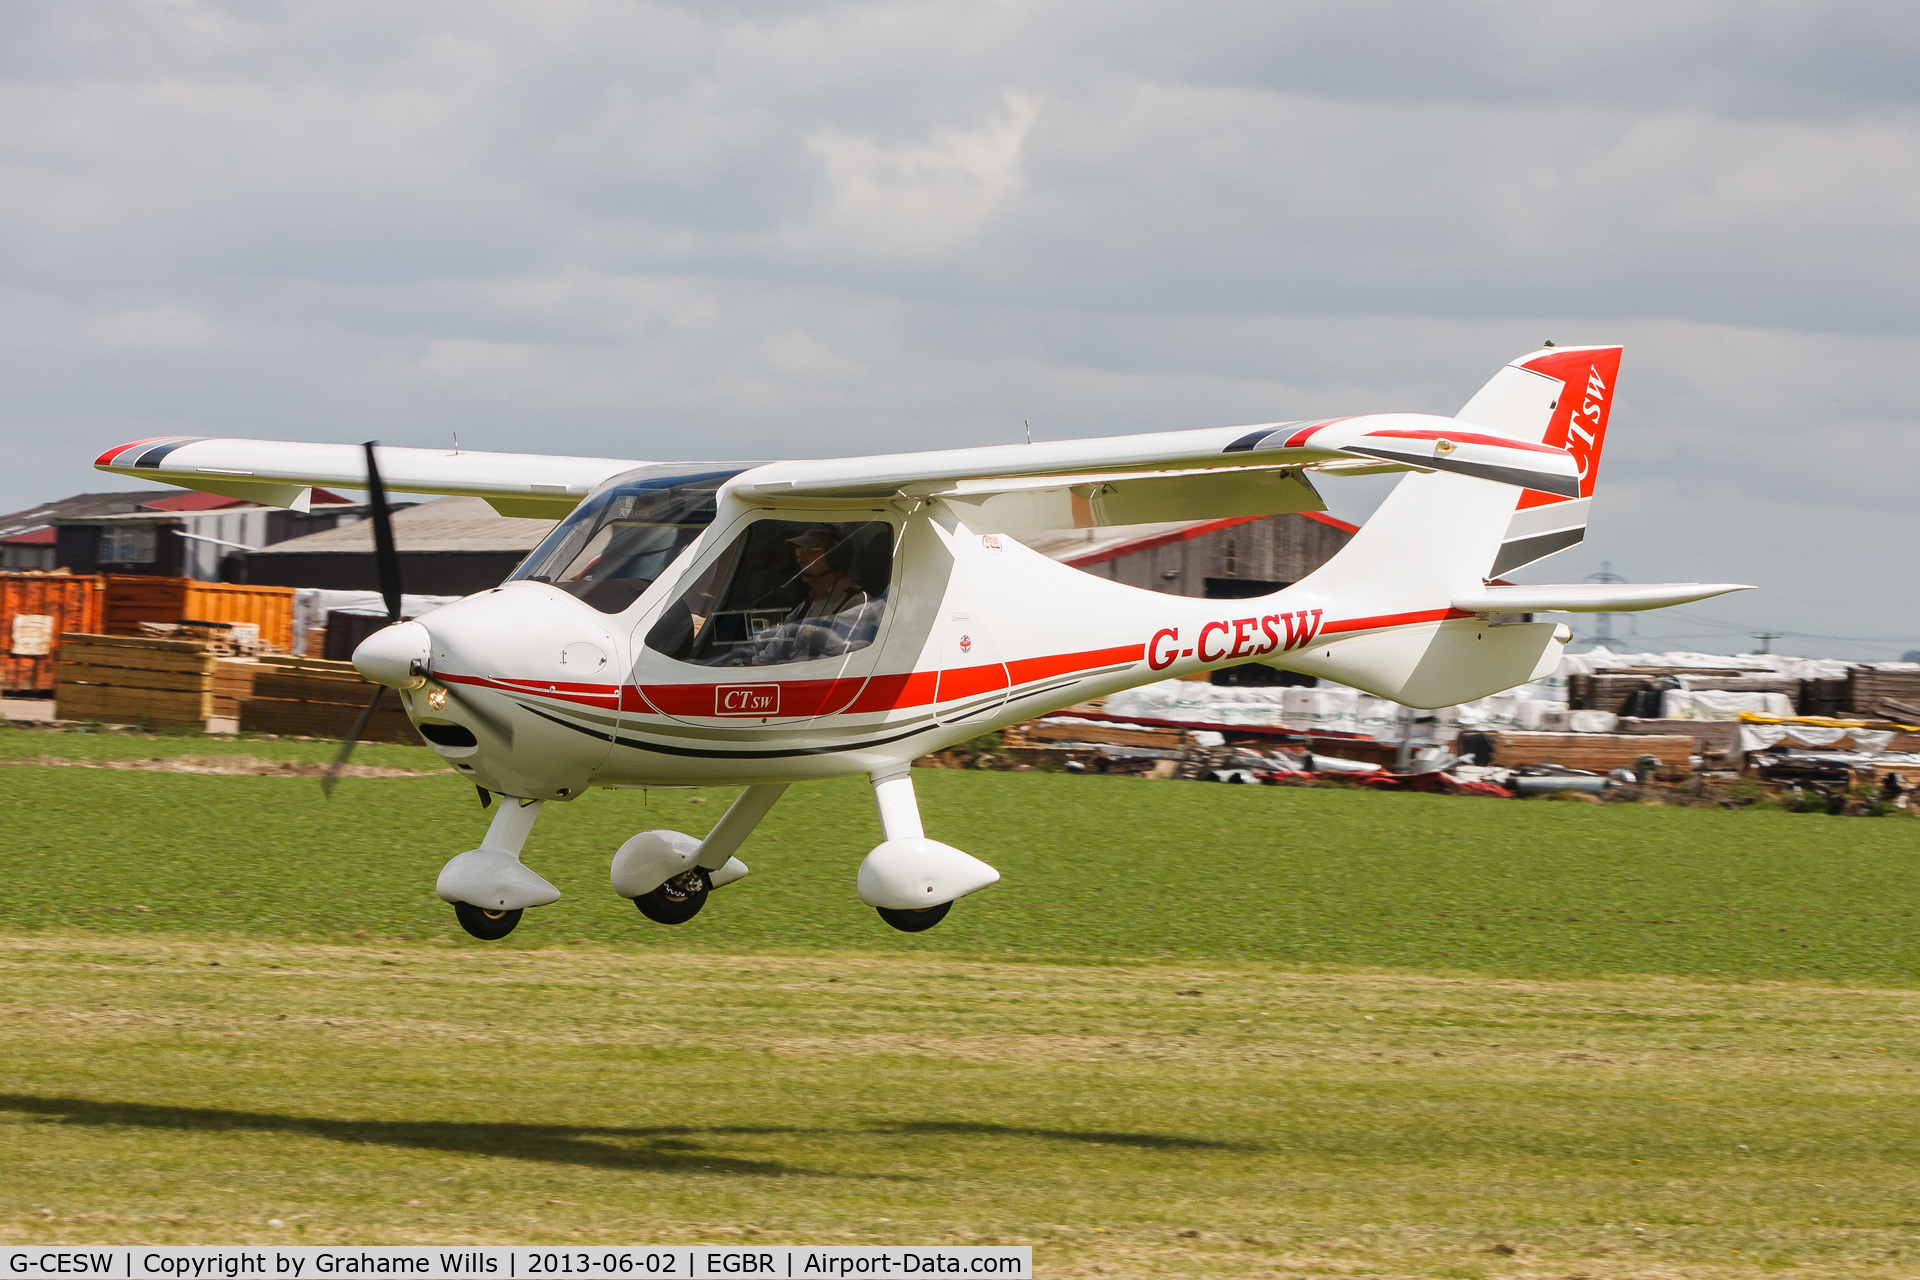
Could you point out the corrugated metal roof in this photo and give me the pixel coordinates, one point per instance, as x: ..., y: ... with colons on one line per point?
x: 31, y: 519
x: 445, y: 524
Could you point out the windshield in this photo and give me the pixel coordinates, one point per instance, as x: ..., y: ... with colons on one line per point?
x: 618, y: 541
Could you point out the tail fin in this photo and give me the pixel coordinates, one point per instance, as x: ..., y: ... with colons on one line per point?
x: 1560, y: 396
x: 1440, y: 537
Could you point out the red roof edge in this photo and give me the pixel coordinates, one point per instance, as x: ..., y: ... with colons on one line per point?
x: 196, y: 500
x: 38, y: 537
x: 1135, y: 545
x: 1344, y: 526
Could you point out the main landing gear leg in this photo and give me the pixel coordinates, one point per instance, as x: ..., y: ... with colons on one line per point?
x: 668, y: 874
x: 910, y: 880
x: 488, y: 886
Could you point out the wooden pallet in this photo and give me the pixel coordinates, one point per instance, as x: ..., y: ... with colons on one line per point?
x: 1882, y: 693
x: 296, y: 718
x: 1597, y: 752
x: 1033, y: 733
x: 121, y: 705
x: 124, y: 680
x: 232, y: 684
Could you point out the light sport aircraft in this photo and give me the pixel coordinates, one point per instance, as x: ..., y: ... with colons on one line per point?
x: 762, y: 624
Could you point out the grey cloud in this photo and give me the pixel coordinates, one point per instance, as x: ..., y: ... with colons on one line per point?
x: 766, y: 229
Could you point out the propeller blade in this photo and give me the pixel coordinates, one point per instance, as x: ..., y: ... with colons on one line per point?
x: 347, y: 744
x: 386, y: 558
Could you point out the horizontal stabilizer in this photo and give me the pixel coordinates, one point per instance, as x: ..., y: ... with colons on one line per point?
x: 1591, y: 597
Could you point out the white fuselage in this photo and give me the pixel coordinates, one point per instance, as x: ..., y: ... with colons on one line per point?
x: 978, y: 632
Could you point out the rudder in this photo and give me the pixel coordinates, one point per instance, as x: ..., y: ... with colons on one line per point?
x: 1562, y: 396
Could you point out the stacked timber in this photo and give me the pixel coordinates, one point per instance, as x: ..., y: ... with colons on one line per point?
x: 123, y: 680
x: 232, y: 684
x: 312, y: 697
x: 1877, y: 692
x: 1047, y: 731
x: 1610, y: 690
x: 228, y: 639
x: 1824, y: 696
x: 1596, y: 752
x: 136, y: 598
x: 1716, y: 742
x: 1604, y: 691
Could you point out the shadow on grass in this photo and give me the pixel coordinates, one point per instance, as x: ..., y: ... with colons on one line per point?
x: 661, y: 1150
x: 654, y: 1149
x: 1150, y: 1141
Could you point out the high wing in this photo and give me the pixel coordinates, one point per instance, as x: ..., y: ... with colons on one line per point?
x: 1229, y: 471
x: 1066, y: 484
x: 282, y: 473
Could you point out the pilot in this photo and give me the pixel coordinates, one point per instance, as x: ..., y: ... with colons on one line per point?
x: 831, y: 589
x: 823, y: 622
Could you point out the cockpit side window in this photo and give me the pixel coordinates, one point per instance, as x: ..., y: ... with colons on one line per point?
x: 783, y: 591
x: 617, y: 542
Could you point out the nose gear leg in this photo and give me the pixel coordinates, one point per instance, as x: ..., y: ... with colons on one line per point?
x: 489, y: 887
x: 911, y: 880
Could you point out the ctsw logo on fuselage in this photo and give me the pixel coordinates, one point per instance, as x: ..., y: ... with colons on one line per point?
x: 746, y: 700
x: 1237, y: 638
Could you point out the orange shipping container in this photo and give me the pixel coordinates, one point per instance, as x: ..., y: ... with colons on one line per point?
x: 133, y: 599
x: 29, y: 648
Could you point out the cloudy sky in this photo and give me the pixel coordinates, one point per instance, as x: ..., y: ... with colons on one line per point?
x: 789, y: 229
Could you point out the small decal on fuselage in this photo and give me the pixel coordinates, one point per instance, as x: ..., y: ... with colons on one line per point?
x: 746, y: 700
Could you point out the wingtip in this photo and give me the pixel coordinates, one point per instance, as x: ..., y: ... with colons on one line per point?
x: 105, y: 459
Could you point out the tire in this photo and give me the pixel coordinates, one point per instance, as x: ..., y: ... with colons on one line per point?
x: 488, y: 926
x: 915, y: 921
x: 679, y: 899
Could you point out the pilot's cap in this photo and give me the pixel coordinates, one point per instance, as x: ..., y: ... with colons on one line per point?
x: 816, y: 535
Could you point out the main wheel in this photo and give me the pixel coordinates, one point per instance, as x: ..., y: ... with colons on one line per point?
x: 678, y: 900
x: 489, y: 926
x: 910, y: 921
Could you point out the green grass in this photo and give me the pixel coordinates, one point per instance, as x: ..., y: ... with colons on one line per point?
x: 1173, y: 1119
x: 1093, y: 869
x: 28, y: 742
x: 1195, y: 1031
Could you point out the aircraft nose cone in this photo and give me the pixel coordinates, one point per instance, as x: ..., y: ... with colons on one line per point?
x: 389, y: 656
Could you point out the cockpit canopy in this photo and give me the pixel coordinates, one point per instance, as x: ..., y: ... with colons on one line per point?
x: 623, y: 537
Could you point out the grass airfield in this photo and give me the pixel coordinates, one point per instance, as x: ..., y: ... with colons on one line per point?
x: 1196, y: 1031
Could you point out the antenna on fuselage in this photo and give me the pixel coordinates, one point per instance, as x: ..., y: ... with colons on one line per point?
x: 1029, y: 427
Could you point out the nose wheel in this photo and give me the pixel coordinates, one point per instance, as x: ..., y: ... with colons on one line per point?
x: 488, y: 926
x: 911, y: 921
x: 678, y: 900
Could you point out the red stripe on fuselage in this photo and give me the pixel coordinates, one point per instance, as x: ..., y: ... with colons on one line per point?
x: 1395, y: 620
x: 803, y: 699
x: 586, y: 694
x: 1026, y: 670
